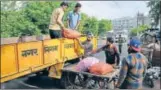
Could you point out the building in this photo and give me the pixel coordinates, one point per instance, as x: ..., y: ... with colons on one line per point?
x: 127, y: 23
x: 122, y: 23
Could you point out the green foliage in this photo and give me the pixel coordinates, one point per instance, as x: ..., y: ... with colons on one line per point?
x: 91, y: 25
x: 14, y: 24
x: 139, y: 29
x: 34, y: 18
x: 155, y: 10
x: 84, y: 20
x: 104, y: 25
x: 39, y: 13
x: 8, y: 5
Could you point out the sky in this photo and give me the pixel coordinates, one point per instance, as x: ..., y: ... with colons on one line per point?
x: 114, y: 9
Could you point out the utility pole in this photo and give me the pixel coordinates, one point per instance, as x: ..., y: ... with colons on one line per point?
x: 137, y: 17
x: 160, y: 22
x: 137, y: 20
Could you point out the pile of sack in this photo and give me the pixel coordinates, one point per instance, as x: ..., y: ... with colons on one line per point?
x: 94, y: 66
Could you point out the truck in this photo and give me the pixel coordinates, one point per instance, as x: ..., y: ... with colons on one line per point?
x: 22, y: 56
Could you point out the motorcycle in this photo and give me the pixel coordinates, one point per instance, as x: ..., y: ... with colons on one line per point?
x: 148, y: 80
x: 151, y: 75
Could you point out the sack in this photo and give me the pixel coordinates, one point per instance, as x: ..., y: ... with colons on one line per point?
x: 71, y: 34
x: 101, y: 68
x: 84, y: 64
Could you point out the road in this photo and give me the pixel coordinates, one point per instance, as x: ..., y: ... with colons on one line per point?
x: 44, y: 82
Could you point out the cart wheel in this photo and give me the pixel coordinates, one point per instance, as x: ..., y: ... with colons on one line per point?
x: 102, y: 85
x: 110, y: 85
x: 91, y: 84
x: 80, y: 80
x: 38, y: 74
x: 70, y: 87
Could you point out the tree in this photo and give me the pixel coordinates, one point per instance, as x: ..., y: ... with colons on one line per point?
x: 12, y: 5
x: 91, y: 25
x: 34, y: 19
x: 39, y: 13
x: 84, y: 18
x: 8, y: 5
x: 139, y: 29
x: 155, y: 10
x: 104, y: 25
x: 14, y: 24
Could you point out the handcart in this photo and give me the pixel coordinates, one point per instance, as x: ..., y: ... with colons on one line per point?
x: 148, y: 53
x: 153, y: 71
x: 153, y: 56
x: 73, y: 79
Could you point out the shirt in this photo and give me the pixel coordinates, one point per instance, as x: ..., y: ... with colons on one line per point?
x: 88, y: 47
x: 132, y: 71
x: 73, y: 19
x: 57, y: 14
x: 120, y: 40
x: 111, y: 53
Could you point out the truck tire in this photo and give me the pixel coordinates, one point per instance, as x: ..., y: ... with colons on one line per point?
x: 63, y: 82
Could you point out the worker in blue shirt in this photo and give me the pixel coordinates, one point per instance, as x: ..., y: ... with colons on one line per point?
x: 74, y: 17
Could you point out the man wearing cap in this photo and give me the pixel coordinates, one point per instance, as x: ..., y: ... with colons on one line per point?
x: 74, y: 17
x: 56, y: 25
x: 133, y: 67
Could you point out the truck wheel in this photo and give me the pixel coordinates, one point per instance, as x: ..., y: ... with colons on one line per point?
x: 64, y: 81
x: 38, y: 74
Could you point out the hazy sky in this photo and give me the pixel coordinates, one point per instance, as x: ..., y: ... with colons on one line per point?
x: 114, y: 9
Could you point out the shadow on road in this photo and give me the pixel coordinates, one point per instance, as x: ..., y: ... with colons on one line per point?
x: 42, y: 82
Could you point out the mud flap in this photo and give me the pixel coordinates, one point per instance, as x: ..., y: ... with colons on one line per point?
x: 55, y: 71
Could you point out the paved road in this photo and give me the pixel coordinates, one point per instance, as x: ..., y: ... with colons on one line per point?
x: 43, y: 82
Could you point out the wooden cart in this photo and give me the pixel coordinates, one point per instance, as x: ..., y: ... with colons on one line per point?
x: 73, y: 79
x: 152, y: 56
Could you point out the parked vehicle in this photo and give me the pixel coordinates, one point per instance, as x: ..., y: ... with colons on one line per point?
x: 152, y: 74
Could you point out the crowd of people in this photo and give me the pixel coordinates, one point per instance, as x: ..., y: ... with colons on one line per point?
x: 133, y: 66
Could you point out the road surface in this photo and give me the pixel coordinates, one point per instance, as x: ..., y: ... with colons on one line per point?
x: 44, y: 82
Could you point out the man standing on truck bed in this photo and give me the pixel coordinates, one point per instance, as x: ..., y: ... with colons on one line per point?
x: 56, y: 25
x: 55, y: 29
x: 74, y: 17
